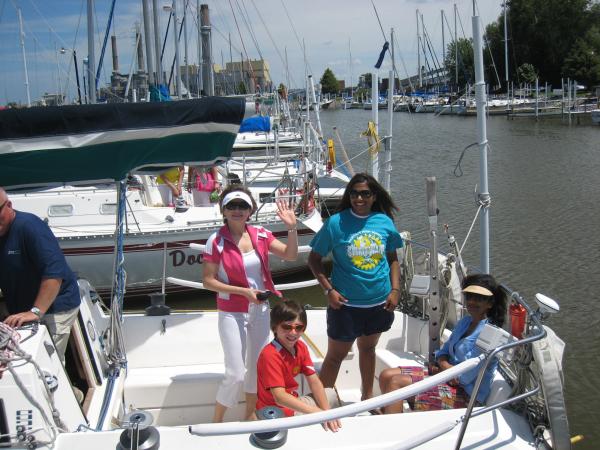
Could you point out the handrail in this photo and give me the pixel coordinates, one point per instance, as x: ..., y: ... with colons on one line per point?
x: 201, y: 247
x: 286, y: 423
x: 279, y: 287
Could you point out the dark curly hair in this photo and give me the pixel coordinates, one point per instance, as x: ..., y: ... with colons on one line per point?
x: 497, y: 313
x: 233, y: 188
x: 383, y: 201
x: 287, y: 310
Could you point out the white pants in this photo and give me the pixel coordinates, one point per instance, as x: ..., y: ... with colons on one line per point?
x: 166, y: 194
x: 201, y: 198
x: 243, y: 336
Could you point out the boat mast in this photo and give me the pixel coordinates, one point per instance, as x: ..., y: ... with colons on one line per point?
x: 207, y: 69
x: 148, y: 40
x: 455, y: 49
x: 176, y: 42
x: 419, y: 52
x: 22, y: 38
x: 157, y: 53
x: 506, y: 55
x: 186, y: 60
x: 91, y: 57
x: 480, y: 101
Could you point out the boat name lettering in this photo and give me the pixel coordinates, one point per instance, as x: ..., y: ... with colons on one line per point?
x: 179, y: 258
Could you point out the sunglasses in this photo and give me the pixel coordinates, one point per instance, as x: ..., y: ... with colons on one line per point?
x: 363, y: 194
x: 297, y: 328
x: 239, y: 206
x: 3, y: 205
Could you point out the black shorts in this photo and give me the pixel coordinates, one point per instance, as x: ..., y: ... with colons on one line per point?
x: 348, y: 323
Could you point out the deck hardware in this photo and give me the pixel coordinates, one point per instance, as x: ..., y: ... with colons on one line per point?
x: 271, y: 439
x: 138, y: 433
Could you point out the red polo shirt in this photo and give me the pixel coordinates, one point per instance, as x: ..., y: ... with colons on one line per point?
x: 277, y: 367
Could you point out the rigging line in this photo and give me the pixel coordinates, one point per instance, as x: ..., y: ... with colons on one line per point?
x: 243, y: 46
x: 246, y: 19
x: 271, y: 37
x: 431, y: 48
x: 45, y: 21
x: 379, y: 21
x: 300, y: 44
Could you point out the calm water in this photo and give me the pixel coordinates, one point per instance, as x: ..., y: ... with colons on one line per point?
x: 543, y: 179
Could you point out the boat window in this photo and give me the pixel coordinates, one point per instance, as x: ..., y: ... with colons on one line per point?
x: 60, y: 210
x: 108, y: 208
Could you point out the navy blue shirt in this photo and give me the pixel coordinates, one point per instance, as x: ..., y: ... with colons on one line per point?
x: 29, y: 252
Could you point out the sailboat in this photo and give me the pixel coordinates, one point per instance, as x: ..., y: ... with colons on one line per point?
x: 150, y: 379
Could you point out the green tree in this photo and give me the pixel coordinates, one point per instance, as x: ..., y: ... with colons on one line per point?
x: 527, y: 73
x: 542, y: 33
x: 242, y: 88
x: 583, y: 62
x: 465, y: 63
x: 329, y: 83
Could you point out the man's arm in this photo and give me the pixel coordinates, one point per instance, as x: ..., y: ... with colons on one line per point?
x: 49, y: 289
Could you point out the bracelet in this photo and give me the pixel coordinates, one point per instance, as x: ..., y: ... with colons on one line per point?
x: 292, y: 229
x: 328, y: 290
x: 395, y: 289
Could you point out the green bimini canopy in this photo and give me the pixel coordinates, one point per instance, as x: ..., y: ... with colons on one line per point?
x: 101, y: 143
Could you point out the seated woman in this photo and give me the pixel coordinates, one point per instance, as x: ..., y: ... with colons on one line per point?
x: 486, y: 303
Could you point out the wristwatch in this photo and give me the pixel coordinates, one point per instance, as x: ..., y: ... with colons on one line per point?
x: 328, y: 290
x: 36, y: 311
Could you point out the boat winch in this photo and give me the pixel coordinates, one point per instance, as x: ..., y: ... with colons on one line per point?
x: 138, y: 434
x: 271, y: 439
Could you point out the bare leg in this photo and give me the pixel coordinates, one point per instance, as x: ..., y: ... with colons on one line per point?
x: 336, y: 352
x: 251, y: 406
x: 366, y: 361
x: 390, y: 380
x: 219, y: 412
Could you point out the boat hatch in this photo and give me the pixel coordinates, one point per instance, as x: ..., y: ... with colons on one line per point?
x: 108, y: 209
x: 60, y: 210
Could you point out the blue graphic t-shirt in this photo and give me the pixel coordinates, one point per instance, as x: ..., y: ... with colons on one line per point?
x: 358, y: 245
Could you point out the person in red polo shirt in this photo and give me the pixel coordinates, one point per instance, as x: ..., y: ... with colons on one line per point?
x: 285, y: 358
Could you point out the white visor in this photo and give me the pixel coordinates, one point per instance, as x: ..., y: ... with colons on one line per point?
x: 237, y: 195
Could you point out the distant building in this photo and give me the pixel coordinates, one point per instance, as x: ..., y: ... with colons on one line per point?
x: 250, y: 76
x: 52, y: 99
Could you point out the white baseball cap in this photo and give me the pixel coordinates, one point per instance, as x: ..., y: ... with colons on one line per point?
x: 238, y: 195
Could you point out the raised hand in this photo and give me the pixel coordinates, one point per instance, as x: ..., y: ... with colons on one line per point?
x: 287, y: 215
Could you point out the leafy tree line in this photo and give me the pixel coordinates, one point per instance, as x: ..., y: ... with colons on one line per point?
x: 550, y: 39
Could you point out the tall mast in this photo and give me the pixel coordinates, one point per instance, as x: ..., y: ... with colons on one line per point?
x: 200, y: 74
x: 455, y: 48
x: 350, y: 53
x: 443, y: 39
x: 480, y: 101
x: 207, y: 75
x: 157, y: 52
x: 22, y: 38
x: 506, y: 52
x: 419, y: 52
x: 148, y: 40
x: 186, y: 61
x: 91, y: 56
x: 176, y: 41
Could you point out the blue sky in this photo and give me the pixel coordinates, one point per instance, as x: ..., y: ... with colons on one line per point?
x: 330, y: 29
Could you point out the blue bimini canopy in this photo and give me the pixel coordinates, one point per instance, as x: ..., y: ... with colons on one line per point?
x: 256, y: 123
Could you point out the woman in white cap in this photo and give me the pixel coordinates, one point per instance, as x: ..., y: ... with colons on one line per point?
x: 486, y: 303
x: 236, y: 267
